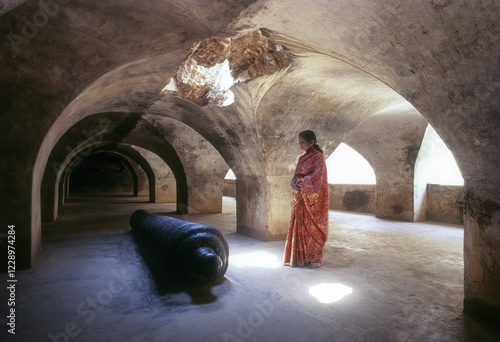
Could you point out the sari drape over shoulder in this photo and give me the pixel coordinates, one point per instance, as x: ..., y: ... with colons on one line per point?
x: 308, y: 228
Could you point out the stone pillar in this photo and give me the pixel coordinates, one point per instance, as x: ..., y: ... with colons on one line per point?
x: 263, y: 206
x: 66, y: 185
x: 279, y: 198
x: 482, y: 249
x: 143, y: 185
x: 49, y: 192
x: 166, y: 189
x: 251, y: 213
x: 165, y: 184
x: 205, y: 194
x: 60, y: 191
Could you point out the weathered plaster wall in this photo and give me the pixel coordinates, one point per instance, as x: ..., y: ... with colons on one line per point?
x: 165, y: 184
x: 445, y: 203
x: 352, y: 197
x: 203, y: 165
x: 229, y: 189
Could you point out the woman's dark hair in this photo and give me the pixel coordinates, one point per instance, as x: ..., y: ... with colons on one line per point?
x: 310, y: 136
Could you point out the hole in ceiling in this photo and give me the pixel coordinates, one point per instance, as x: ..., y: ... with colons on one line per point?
x: 216, y: 64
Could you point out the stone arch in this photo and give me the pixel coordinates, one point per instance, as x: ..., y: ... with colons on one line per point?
x: 57, y: 171
x: 443, y: 61
x: 126, y: 150
x: 399, y: 132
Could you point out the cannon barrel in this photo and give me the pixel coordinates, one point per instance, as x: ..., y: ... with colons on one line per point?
x: 191, y: 253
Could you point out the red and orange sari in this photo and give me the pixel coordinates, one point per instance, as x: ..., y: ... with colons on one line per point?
x: 308, y: 229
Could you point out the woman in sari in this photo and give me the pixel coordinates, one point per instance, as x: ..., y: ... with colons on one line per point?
x: 308, y: 228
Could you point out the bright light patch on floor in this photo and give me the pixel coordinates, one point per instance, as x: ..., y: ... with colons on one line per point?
x: 329, y: 293
x: 255, y: 259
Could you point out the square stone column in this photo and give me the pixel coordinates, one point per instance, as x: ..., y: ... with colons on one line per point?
x: 482, y: 249
x: 263, y: 206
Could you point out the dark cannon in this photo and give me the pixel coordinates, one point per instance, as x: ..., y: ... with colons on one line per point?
x: 191, y: 253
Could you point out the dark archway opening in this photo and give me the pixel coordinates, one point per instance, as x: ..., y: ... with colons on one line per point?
x: 103, y: 173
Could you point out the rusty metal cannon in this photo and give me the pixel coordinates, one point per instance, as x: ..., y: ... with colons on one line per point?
x: 192, y: 253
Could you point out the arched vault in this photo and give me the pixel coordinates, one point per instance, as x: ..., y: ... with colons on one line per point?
x: 63, y: 62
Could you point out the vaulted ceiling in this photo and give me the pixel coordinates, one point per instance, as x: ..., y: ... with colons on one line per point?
x: 79, y: 73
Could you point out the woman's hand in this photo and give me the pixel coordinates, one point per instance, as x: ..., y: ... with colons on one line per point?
x: 296, y: 183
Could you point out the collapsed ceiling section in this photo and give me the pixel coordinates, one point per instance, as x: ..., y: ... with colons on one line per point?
x: 216, y: 64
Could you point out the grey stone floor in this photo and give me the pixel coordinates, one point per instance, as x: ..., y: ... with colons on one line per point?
x: 382, y: 280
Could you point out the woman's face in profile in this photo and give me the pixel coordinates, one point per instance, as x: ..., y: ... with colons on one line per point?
x: 304, y: 144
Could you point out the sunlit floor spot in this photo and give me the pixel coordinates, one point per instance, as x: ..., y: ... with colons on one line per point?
x: 329, y: 293
x: 255, y: 259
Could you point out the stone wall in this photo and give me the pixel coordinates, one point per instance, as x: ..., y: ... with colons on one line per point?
x: 445, y: 203
x: 352, y: 197
x: 229, y: 188
x: 349, y: 197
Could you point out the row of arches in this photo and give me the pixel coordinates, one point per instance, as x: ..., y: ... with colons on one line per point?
x: 370, y: 74
x: 117, y: 168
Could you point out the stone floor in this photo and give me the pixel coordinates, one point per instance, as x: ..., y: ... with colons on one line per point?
x: 382, y: 280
